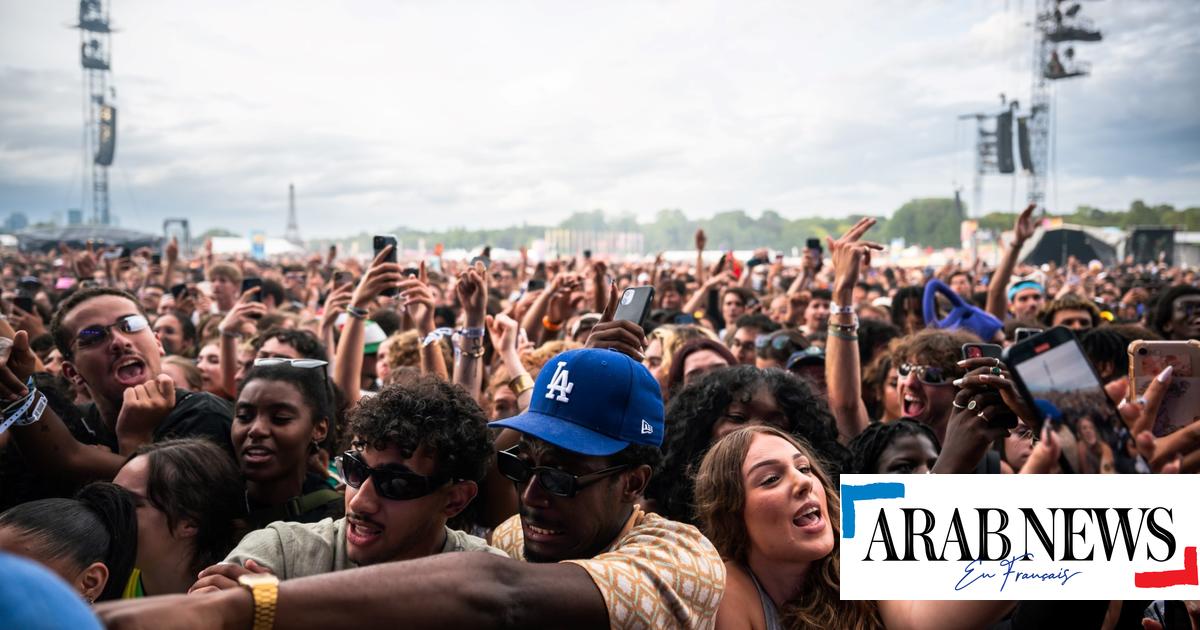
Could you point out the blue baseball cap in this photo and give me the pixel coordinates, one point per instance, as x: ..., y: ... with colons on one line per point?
x: 592, y: 402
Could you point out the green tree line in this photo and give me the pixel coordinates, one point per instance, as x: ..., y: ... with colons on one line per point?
x: 929, y: 222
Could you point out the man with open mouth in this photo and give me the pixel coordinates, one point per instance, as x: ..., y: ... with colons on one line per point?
x: 108, y: 347
x: 420, y: 449
x: 591, y: 557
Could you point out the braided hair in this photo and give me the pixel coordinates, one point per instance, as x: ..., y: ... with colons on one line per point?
x: 867, y: 447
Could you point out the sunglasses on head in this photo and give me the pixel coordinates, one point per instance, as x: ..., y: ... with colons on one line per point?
x: 557, y: 482
x: 296, y: 363
x: 928, y: 374
x: 397, y: 484
x: 96, y: 335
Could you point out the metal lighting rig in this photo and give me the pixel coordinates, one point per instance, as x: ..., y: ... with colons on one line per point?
x: 100, y: 113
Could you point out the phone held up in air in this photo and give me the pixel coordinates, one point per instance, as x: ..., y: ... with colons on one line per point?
x: 253, y: 283
x: 178, y: 291
x: 380, y: 242
x: 634, y: 304
x: 1181, y: 404
x: 1058, y: 382
x: 1021, y: 334
x: 979, y: 350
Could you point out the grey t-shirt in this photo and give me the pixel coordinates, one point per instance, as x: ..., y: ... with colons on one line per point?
x: 295, y: 550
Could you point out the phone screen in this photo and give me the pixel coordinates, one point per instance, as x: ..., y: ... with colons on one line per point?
x: 1063, y: 378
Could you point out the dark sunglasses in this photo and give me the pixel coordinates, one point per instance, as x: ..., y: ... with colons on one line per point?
x: 397, y: 484
x: 96, y: 335
x: 557, y: 482
x: 928, y: 374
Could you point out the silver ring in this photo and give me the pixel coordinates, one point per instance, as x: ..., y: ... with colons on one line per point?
x: 982, y: 416
x: 972, y: 404
x: 956, y: 405
x: 997, y: 361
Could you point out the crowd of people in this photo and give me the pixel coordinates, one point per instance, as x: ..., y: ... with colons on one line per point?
x: 332, y: 442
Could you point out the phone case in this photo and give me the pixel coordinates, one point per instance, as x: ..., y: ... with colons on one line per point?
x: 1182, y: 402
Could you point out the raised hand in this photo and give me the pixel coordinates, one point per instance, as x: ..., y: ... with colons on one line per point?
x: 1176, y: 452
x: 381, y: 276
x: 1024, y: 226
x: 472, y: 292
x: 847, y: 253
x: 143, y: 409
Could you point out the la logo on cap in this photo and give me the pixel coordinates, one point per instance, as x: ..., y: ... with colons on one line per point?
x: 560, y: 384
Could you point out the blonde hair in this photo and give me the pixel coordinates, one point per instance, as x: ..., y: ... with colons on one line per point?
x: 720, y: 499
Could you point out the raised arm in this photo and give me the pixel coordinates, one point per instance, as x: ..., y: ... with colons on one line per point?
x: 347, y: 369
x: 47, y: 443
x: 997, y: 300
x: 232, y: 329
x: 842, y: 370
x: 418, y: 303
x: 472, y: 291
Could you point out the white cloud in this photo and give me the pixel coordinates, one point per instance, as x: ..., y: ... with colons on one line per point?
x: 443, y: 114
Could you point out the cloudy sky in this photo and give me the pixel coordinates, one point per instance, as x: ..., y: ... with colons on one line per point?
x: 438, y: 114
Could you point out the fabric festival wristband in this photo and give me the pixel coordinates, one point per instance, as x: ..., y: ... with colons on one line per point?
x: 471, y: 333
x: 356, y: 313
x: 436, y: 334
x: 836, y: 308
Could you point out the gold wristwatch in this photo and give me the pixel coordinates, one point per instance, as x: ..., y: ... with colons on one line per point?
x: 264, y: 587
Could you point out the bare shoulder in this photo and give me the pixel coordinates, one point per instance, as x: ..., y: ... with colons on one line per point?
x: 740, y: 606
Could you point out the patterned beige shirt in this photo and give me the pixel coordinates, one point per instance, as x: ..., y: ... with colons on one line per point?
x: 658, y: 573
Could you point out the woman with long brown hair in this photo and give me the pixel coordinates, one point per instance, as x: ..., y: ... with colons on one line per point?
x: 765, y: 501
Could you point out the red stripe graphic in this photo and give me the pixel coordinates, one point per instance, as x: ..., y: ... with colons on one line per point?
x: 1187, y: 576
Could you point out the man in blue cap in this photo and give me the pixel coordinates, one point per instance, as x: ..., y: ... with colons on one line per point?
x: 590, y: 557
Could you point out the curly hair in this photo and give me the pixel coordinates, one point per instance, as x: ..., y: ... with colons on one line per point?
x: 305, y: 343
x: 404, y: 351
x: 1106, y: 347
x: 1069, y: 302
x: 696, y: 409
x: 423, y: 410
x: 721, y: 500
x: 932, y: 346
x: 867, y: 447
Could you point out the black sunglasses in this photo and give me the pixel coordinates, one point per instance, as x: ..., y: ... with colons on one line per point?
x: 397, y: 484
x: 928, y: 374
x: 557, y: 482
x: 96, y: 335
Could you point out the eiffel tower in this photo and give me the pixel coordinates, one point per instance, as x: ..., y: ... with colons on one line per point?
x: 293, y: 228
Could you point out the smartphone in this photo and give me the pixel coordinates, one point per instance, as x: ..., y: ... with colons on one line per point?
x: 487, y: 262
x: 24, y: 302
x: 380, y: 242
x: 1182, y: 401
x: 814, y: 243
x: 979, y: 350
x: 1054, y: 375
x: 178, y: 290
x: 253, y: 283
x: 1021, y: 334
x: 535, y: 284
x: 155, y: 259
x: 635, y: 304
x: 342, y: 277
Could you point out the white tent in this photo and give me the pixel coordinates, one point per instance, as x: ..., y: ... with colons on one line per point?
x: 228, y: 245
